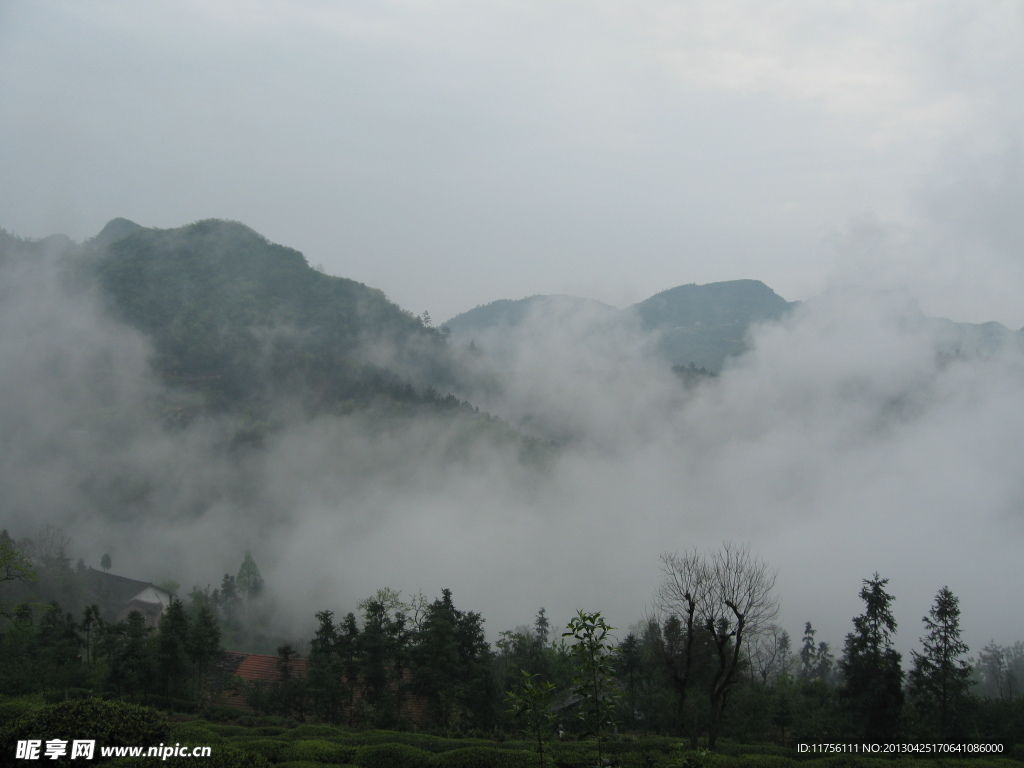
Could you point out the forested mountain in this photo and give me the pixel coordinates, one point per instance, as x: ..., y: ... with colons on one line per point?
x: 700, y: 324
x: 237, y: 323
x: 509, y: 313
x: 156, y: 374
x: 245, y: 321
x: 705, y: 324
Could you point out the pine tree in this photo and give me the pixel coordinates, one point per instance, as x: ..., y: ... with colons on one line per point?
x: 172, y: 649
x: 808, y: 654
x: 452, y: 665
x: 940, y: 681
x: 249, y: 582
x: 203, y: 642
x: 542, y: 628
x: 873, y: 680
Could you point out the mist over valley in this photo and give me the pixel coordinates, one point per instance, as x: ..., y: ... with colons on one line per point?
x: 178, y: 397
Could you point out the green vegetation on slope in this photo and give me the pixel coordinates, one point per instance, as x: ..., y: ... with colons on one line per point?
x: 244, y: 321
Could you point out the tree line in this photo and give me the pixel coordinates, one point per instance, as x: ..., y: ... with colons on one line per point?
x: 708, y: 662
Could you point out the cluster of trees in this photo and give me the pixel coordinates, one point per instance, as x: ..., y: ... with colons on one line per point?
x: 53, y: 639
x: 46, y: 649
x: 708, y: 662
x: 401, y: 655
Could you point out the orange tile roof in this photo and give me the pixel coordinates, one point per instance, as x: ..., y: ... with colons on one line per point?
x: 257, y: 666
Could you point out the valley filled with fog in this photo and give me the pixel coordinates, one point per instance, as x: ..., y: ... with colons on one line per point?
x: 853, y: 435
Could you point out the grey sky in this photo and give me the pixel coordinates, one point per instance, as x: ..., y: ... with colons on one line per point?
x: 452, y: 152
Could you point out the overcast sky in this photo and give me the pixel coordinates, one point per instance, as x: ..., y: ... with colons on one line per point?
x: 453, y: 152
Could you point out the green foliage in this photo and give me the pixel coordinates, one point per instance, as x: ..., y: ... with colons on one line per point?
x: 425, y: 741
x: 578, y: 756
x: 483, y: 757
x: 193, y: 732
x: 314, y: 731
x: 530, y: 703
x: 14, y: 566
x: 172, y: 650
x: 872, y: 690
x: 940, y: 681
x: 319, y: 750
x: 692, y: 758
x: 228, y: 731
x: 13, y: 709
x: 392, y: 756
x: 110, y: 723
x: 452, y: 667
x: 816, y: 662
x: 272, y: 749
x: 237, y: 319
x: 130, y: 658
x: 594, y: 655
x: 248, y: 579
x: 221, y: 757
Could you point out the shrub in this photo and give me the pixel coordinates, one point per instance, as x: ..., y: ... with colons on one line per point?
x: 228, y: 731
x: 392, y: 756
x: 419, y: 740
x: 220, y: 757
x: 270, y: 731
x: 575, y: 758
x: 11, y: 709
x: 272, y: 749
x: 319, y: 751
x: 756, y: 761
x: 110, y: 723
x: 485, y: 757
x: 192, y: 733
x: 307, y: 731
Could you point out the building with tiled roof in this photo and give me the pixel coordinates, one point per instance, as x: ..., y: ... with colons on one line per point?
x: 117, y: 596
x: 259, y: 673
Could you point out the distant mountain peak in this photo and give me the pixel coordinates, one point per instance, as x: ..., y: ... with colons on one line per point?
x: 728, y: 302
x: 115, y: 229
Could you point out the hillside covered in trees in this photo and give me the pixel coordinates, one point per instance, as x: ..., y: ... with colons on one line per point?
x: 193, y: 401
x: 708, y: 664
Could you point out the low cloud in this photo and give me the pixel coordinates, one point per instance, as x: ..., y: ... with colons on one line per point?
x: 852, y: 437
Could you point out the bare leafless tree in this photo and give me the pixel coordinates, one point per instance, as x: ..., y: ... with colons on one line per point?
x: 675, y: 623
x: 726, y: 595
x: 768, y: 653
x: 49, y: 547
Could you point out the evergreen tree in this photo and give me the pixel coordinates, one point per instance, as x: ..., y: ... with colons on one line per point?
x: 249, y: 582
x: 172, y: 655
x: 203, y: 643
x: 333, y: 668
x: 56, y: 652
x: 808, y: 654
x: 91, y: 624
x: 15, y: 565
x: 542, y: 627
x: 940, y: 681
x: 872, y: 678
x: 381, y: 655
x: 229, y: 606
x: 129, y: 656
x: 452, y: 666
